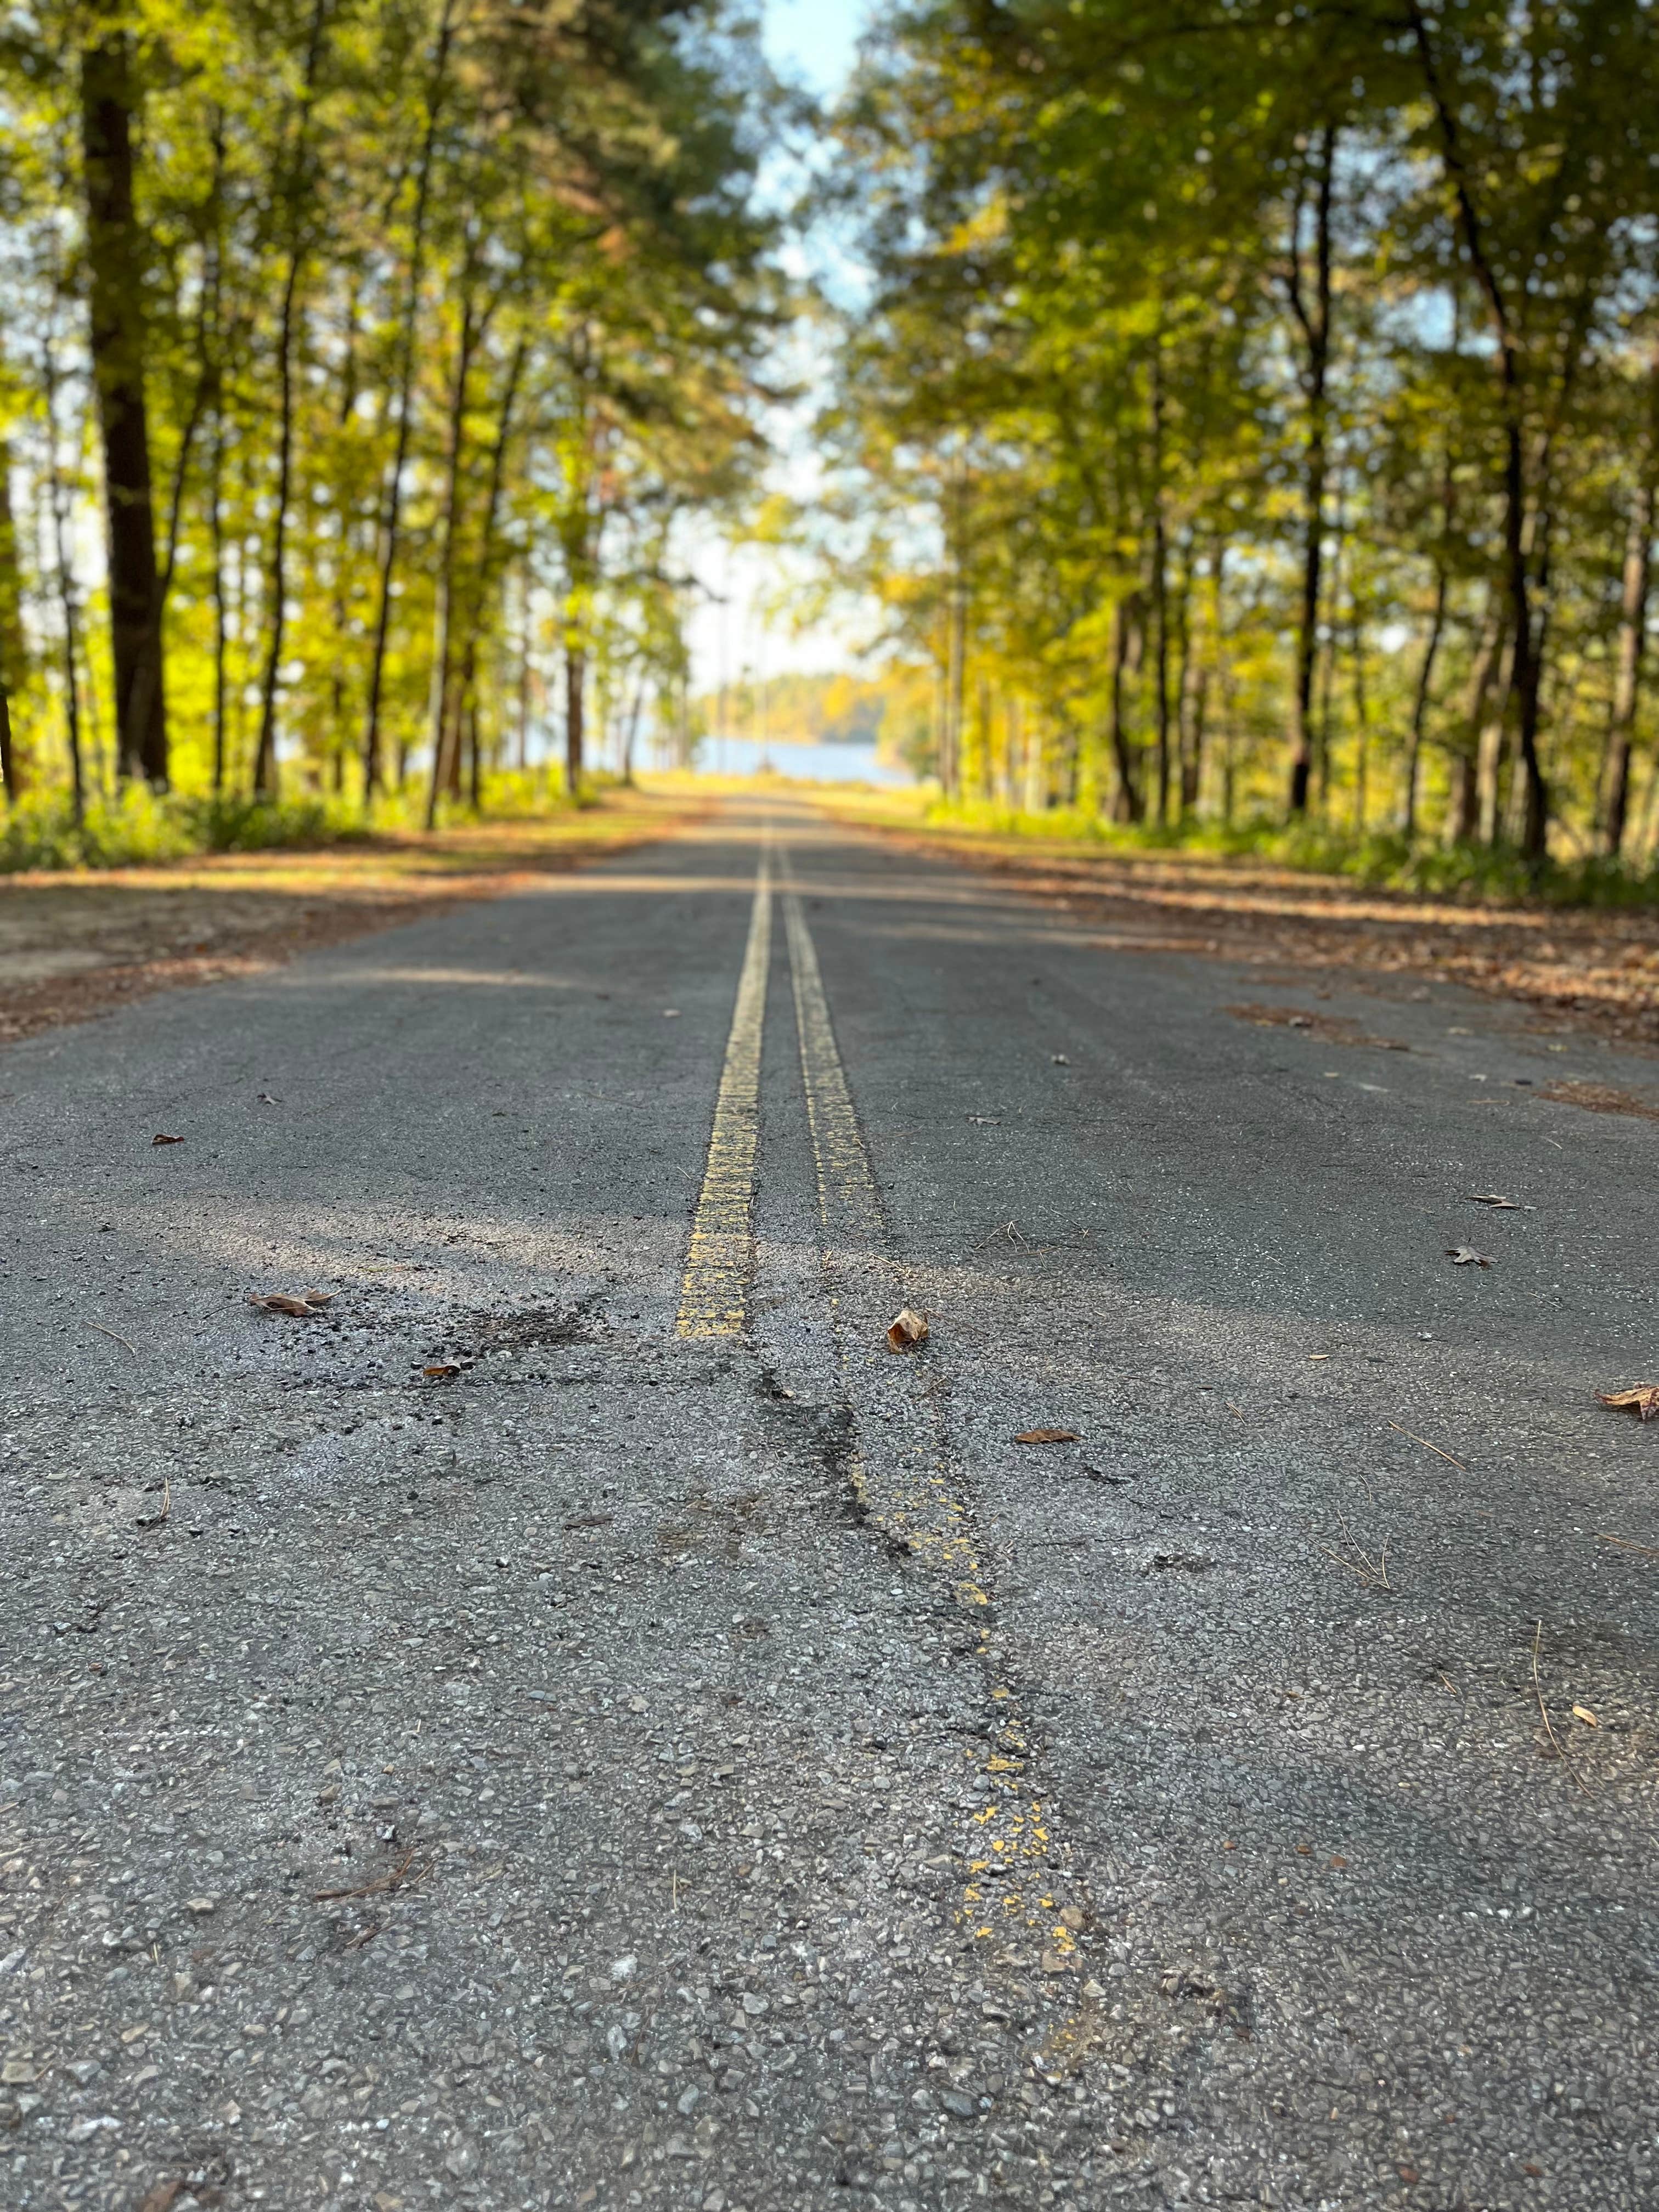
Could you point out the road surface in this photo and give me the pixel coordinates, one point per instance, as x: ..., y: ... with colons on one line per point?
x: 682, y: 1753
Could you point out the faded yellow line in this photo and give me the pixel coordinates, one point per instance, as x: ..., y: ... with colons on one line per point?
x: 719, y: 1257
x: 916, y: 1499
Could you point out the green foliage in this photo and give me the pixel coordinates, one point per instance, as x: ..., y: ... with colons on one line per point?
x: 1469, y: 874
x: 1239, y: 384
x: 142, y: 828
x: 446, y: 316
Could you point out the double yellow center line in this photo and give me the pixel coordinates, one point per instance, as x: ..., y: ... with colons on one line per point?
x: 720, y: 1258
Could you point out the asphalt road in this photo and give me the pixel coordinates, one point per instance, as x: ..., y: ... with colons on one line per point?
x: 687, y: 1755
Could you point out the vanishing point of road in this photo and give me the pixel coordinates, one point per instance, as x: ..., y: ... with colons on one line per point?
x: 575, y: 1720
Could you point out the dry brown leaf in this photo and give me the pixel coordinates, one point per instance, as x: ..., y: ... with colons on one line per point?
x: 160, y: 2196
x: 279, y: 1302
x: 318, y: 1298
x: 1464, y: 1255
x: 1583, y: 1713
x: 905, y: 1329
x: 1491, y: 1198
x: 1642, y: 1398
x: 1046, y: 1437
x: 160, y: 1139
x: 441, y: 1372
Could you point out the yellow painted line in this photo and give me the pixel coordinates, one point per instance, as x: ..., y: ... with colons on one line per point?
x: 719, y: 1257
x: 916, y: 1500
x: 848, y: 1204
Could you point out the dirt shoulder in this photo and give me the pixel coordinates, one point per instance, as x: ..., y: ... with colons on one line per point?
x: 76, y: 944
x: 1579, y: 969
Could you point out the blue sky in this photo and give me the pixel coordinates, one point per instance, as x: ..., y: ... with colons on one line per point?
x: 813, y: 38
x: 732, y: 636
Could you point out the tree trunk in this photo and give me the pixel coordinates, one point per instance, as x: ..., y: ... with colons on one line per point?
x: 1160, y: 588
x: 575, y: 673
x: 1632, y: 641
x: 1466, y: 825
x: 393, y: 515
x: 466, y: 691
x: 1420, y: 703
x: 115, y: 258
x: 294, y: 187
x: 12, y: 651
x: 445, y: 729
x: 1362, y: 715
x: 1130, y: 806
x: 1315, y: 321
x: 60, y: 522
x: 1526, y: 668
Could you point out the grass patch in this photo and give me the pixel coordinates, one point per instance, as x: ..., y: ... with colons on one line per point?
x: 1471, y: 874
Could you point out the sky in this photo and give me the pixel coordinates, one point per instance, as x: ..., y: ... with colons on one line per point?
x: 811, y: 42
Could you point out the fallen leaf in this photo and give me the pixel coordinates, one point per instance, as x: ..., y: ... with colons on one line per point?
x: 906, y: 1328
x: 1491, y: 1198
x: 1464, y: 1255
x: 1408, y: 2175
x: 279, y: 1302
x: 318, y: 1298
x: 1536, y: 2171
x: 1338, y: 1865
x: 160, y: 2196
x: 1046, y: 1437
x: 159, y: 1140
x: 1642, y: 1398
x: 1583, y: 1713
x: 441, y: 1372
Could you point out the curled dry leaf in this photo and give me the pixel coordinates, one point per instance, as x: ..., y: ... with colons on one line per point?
x: 1642, y: 1398
x: 318, y: 1298
x: 1491, y: 1198
x: 905, y: 1329
x: 1046, y: 1436
x: 1583, y: 1713
x: 441, y: 1372
x: 305, y: 1308
x: 160, y: 1139
x: 1464, y: 1255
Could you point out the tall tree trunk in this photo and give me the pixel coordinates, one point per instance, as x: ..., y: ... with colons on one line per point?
x: 115, y: 258
x: 576, y: 677
x: 1421, y: 702
x: 60, y: 527
x: 1466, y: 824
x: 1314, y: 318
x: 1362, y: 715
x: 1526, y: 666
x: 1160, y: 581
x: 445, y: 729
x: 467, y: 690
x: 1130, y: 806
x: 295, y: 188
x: 1632, y: 642
x: 393, y: 515
x: 13, y: 650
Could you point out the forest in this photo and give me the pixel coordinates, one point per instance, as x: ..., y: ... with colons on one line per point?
x: 1239, y: 414
x: 361, y: 359
x: 1255, y: 408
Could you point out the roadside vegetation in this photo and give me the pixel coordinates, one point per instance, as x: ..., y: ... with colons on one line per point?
x: 361, y: 369
x: 1255, y: 422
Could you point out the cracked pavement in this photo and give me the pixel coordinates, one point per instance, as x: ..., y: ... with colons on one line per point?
x: 622, y: 1767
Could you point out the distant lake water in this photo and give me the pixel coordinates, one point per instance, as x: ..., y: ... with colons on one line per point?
x: 802, y: 764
